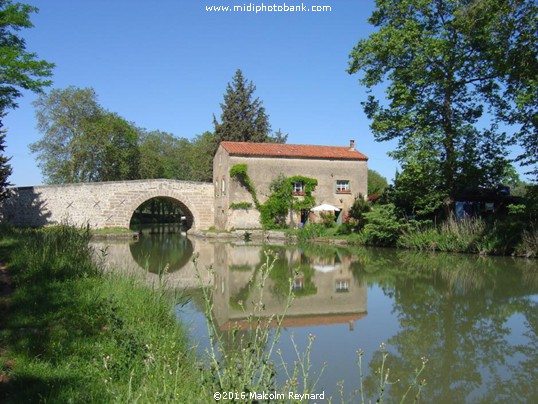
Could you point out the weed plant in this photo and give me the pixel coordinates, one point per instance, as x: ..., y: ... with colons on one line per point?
x: 474, y: 235
x: 242, y: 359
x: 76, y: 334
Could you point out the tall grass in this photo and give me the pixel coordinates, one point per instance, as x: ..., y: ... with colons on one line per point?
x: 529, y: 243
x: 451, y: 236
x: 507, y: 236
x: 76, y: 334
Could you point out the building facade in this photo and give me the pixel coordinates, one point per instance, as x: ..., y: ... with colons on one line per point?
x: 341, y: 173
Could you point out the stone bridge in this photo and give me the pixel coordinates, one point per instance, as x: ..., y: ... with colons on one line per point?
x: 106, y: 204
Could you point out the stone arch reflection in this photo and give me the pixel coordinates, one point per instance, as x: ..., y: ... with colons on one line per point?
x: 159, y: 250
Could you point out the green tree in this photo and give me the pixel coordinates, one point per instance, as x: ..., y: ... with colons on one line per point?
x: 243, y: 117
x: 82, y: 141
x: 110, y: 150
x: 438, y: 83
x: 507, y: 42
x: 163, y: 155
x: 279, y: 137
x: 376, y: 183
x: 19, y: 70
x: 203, y: 149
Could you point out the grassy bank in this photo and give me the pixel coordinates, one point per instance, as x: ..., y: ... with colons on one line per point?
x: 506, y: 236
x: 72, y: 333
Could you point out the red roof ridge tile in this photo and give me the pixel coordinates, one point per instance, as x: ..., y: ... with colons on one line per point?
x: 292, y: 150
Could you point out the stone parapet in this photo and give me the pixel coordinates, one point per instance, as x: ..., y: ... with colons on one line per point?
x: 105, y: 204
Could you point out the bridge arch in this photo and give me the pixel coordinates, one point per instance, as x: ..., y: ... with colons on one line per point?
x: 188, y: 208
x: 106, y: 204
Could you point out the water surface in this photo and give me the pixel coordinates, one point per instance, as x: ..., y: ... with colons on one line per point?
x: 474, y: 318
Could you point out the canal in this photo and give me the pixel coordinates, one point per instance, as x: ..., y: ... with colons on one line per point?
x: 474, y: 318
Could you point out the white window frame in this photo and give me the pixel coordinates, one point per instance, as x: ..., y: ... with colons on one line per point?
x: 298, y: 188
x: 342, y: 285
x: 343, y: 187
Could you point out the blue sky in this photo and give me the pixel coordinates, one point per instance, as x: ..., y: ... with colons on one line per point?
x: 165, y: 65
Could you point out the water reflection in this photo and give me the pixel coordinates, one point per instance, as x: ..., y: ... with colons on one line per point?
x: 476, y: 319
x: 161, y: 247
x: 324, y: 287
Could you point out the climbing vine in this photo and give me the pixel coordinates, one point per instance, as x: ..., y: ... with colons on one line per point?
x: 239, y: 172
x: 282, y: 201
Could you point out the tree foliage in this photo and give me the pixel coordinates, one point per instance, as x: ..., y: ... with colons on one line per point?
x: 203, y: 148
x: 5, y: 167
x: 19, y: 69
x: 243, y: 117
x: 81, y: 140
x: 376, y: 182
x: 163, y: 155
x: 442, y: 86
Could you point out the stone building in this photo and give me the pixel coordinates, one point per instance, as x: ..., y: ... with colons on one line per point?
x: 341, y: 173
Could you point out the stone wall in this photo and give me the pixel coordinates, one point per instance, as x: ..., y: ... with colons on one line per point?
x: 263, y: 170
x: 106, y: 204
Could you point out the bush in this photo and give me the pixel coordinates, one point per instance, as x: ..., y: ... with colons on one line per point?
x: 357, y: 212
x: 310, y: 231
x: 383, y: 227
x: 328, y: 219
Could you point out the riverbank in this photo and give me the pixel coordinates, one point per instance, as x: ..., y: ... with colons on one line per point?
x: 72, y: 333
x: 510, y: 236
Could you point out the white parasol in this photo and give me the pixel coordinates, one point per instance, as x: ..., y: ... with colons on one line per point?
x: 324, y: 207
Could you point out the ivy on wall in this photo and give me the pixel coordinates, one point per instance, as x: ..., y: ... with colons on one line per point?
x: 239, y: 172
x: 281, y: 202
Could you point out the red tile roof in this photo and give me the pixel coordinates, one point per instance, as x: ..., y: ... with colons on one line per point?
x: 292, y: 150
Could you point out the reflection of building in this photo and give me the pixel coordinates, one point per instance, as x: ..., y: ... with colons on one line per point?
x: 337, y: 296
x: 341, y: 173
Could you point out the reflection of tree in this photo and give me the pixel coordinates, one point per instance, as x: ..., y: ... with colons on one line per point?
x: 155, y: 252
x: 289, y: 268
x: 240, y: 299
x: 455, y: 310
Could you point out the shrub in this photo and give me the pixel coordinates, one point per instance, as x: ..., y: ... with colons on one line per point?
x: 357, y: 212
x: 310, y: 231
x: 328, y: 219
x: 383, y: 227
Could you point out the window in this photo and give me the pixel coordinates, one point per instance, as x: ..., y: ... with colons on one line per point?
x: 298, y: 188
x: 342, y: 285
x: 298, y: 284
x: 223, y: 187
x: 342, y: 187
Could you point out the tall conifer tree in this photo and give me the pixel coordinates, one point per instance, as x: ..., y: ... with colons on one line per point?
x: 243, y: 117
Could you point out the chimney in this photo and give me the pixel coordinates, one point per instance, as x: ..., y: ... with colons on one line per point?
x: 352, y: 145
